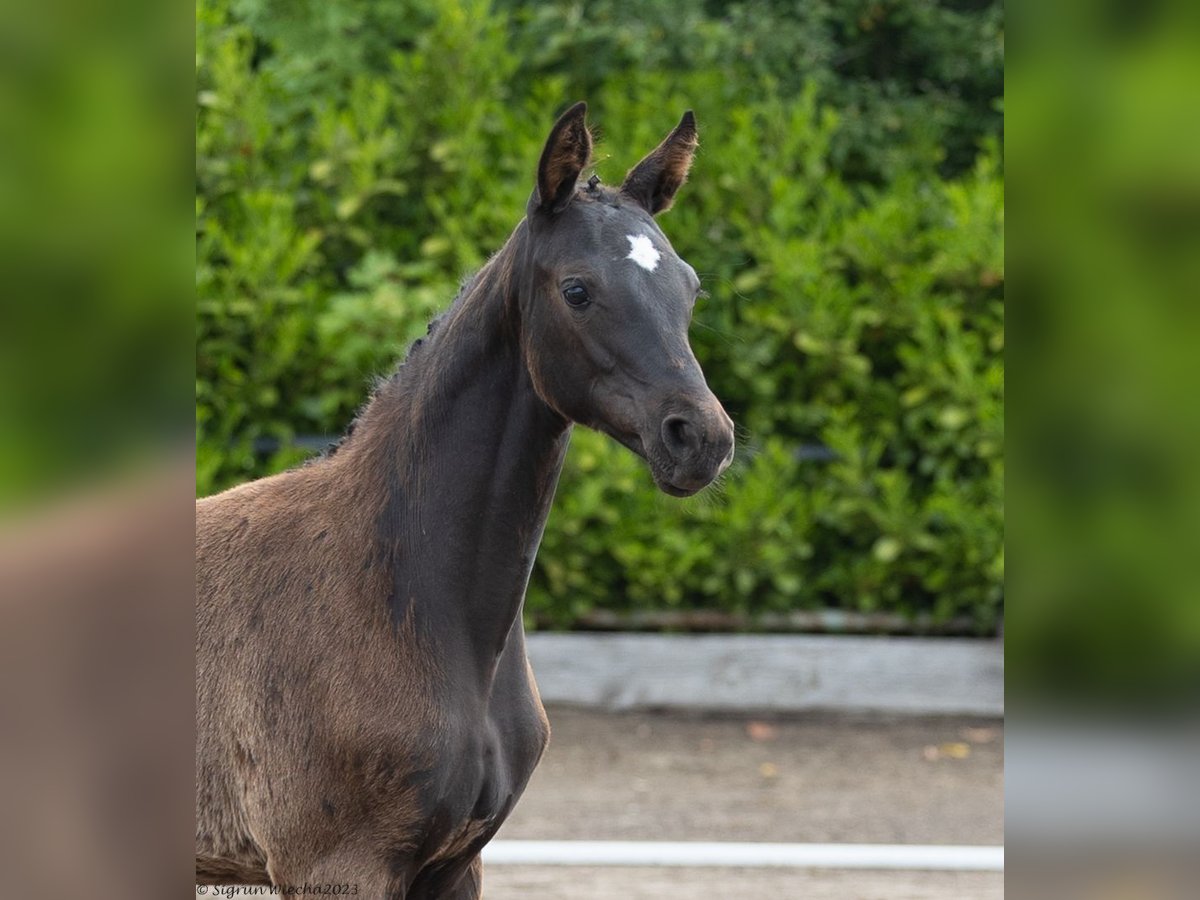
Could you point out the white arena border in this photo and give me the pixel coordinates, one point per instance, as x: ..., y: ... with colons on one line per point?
x: 930, y: 857
x: 770, y: 673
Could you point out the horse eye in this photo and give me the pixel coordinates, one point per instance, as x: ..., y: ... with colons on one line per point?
x: 576, y: 295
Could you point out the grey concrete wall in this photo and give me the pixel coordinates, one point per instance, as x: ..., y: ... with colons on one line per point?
x: 771, y: 673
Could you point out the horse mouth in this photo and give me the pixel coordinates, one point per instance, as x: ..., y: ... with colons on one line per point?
x: 667, y: 488
x: 633, y: 441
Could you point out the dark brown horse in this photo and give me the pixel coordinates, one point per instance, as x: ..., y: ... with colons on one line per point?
x: 366, y: 715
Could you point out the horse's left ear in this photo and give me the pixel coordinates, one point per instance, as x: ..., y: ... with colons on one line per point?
x: 567, y: 152
x: 654, y: 181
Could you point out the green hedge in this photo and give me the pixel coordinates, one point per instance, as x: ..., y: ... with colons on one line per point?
x: 355, y: 160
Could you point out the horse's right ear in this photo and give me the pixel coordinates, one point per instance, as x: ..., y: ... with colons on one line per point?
x: 652, y: 183
x: 567, y: 152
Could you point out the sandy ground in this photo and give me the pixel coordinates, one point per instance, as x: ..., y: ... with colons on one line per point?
x: 812, y: 779
x: 815, y: 779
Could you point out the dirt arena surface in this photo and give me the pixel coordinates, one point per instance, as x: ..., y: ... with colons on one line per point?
x: 812, y: 779
x: 809, y: 779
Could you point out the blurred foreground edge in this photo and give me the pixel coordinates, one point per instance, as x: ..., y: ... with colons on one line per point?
x: 96, y: 682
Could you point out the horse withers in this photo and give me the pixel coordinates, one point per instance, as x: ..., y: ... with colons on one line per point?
x: 366, y: 715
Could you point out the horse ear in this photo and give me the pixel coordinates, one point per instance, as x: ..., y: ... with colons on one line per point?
x: 567, y: 152
x: 654, y: 181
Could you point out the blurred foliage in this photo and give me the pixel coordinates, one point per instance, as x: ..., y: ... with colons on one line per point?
x: 95, y: 247
x: 356, y: 159
x: 1107, y: 157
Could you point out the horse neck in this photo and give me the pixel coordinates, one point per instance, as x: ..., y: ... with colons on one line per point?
x: 463, y: 458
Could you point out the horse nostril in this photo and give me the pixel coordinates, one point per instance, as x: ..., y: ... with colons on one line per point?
x: 679, y: 435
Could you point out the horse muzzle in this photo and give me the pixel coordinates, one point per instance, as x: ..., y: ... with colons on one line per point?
x: 693, y: 445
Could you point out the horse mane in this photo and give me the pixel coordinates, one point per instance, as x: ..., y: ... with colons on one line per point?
x: 498, y: 269
x: 398, y: 383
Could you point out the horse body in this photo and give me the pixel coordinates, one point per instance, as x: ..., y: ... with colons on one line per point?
x: 366, y: 714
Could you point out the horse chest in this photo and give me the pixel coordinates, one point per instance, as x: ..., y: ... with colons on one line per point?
x: 480, y: 789
x: 489, y: 769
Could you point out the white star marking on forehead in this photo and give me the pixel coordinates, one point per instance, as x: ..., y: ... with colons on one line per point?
x: 642, y: 252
